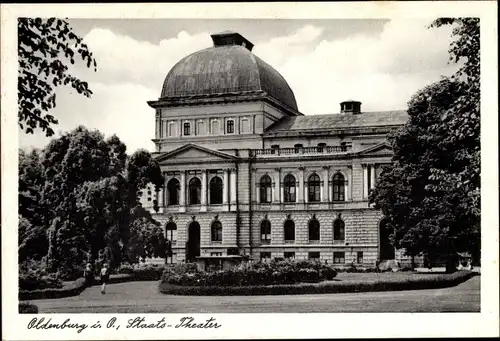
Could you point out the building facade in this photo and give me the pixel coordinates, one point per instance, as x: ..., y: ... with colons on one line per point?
x: 246, y: 173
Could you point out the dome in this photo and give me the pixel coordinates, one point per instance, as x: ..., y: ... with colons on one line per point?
x: 229, y: 67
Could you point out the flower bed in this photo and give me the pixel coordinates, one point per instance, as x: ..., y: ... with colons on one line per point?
x: 250, y: 274
x: 326, y: 287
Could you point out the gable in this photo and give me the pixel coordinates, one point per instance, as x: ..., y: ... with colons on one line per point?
x: 195, y: 154
x: 378, y: 149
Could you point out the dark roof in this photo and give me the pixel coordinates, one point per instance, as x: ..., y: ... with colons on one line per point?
x: 226, y: 69
x: 332, y: 121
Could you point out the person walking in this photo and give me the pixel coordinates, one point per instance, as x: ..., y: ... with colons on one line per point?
x: 89, y: 275
x: 104, y: 278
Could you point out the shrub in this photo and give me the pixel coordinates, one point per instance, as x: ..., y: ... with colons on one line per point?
x: 125, y: 268
x: 35, y: 281
x: 250, y: 274
x: 27, y: 308
x: 148, y: 272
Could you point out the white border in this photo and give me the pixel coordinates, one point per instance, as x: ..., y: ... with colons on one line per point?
x: 266, y: 325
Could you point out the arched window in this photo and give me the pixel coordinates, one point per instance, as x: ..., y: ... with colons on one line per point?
x: 289, y: 231
x: 314, y: 184
x: 265, y: 231
x: 314, y: 230
x: 216, y: 231
x: 265, y: 189
x: 216, y: 187
x: 289, y: 188
x: 298, y: 147
x: 194, y: 191
x: 321, y: 147
x: 173, y: 188
x: 338, y: 187
x: 171, y: 231
x: 338, y: 231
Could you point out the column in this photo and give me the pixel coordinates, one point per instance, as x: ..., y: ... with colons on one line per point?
x: 372, y: 176
x: 273, y: 191
x: 257, y: 193
x: 233, y: 188
x: 324, y: 185
x: 299, y: 197
x: 164, y: 192
x: 306, y: 192
x: 203, y: 190
x: 158, y: 127
x: 278, y: 188
x: 225, y: 187
x: 182, y: 196
x: 365, y: 181
x: 348, y: 187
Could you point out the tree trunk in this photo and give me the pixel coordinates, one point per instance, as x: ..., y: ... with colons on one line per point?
x: 451, y: 265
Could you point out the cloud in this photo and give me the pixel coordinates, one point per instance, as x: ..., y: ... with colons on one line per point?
x: 382, y: 70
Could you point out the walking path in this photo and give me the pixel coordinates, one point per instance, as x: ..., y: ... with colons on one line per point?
x: 143, y: 297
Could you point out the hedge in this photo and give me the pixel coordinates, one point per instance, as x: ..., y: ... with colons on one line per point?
x: 27, y: 308
x: 330, y: 287
x: 73, y: 289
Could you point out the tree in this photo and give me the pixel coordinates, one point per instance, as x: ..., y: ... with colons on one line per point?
x: 430, y: 193
x: 31, y: 182
x: 44, y: 48
x: 91, y: 191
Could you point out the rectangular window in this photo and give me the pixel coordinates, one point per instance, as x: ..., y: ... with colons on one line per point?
x: 215, y: 127
x: 215, y: 254
x: 289, y: 255
x: 172, y: 131
x: 265, y: 255
x: 245, y: 125
x: 187, y: 129
x: 339, y: 258
x: 201, y: 128
x: 314, y: 255
x: 360, y: 257
x: 230, y: 127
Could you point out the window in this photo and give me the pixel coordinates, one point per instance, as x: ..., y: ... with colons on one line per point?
x: 171, y: 129
x: 314, y: 185
x: 289, y: 231
x: 321, y: 147
x: 360, y: 257
x: 275, y: 148
x: 230, y: 127
x: 314, y: 230
x: 338, y: 187
x: 265, y: 256
x: 216, y: 231
x: 215, y: 254
x: 289, y: 188
x: 265, y: 231
x: 187, y: 129
x: 314, y: 255
x: 215, y: 127
x: 289, y: 255
x: 245, y: 125
x: 216, y: 188
x: 298, y: 147
x: 173, y: 189
x: 265, y: 189
x: 339, y: 258
x: 194, y: 191
x: 338, y: 231
x: 201, y: 128
x: 171, y: 232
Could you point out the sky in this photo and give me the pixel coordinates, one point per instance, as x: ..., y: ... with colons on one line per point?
x: 381, y: 63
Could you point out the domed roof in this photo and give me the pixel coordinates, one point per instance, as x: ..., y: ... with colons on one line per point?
x: 227, y: 68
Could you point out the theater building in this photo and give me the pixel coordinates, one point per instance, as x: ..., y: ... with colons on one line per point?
x: 246, y: 173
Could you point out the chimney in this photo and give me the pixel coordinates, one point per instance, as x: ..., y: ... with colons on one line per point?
x: 228, y: 38
x: 351, y: 107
